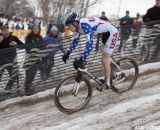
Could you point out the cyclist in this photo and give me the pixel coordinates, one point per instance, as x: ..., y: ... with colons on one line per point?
x: 91, y: 26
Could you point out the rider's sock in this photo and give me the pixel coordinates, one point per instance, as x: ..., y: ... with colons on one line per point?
x: 108, y: 82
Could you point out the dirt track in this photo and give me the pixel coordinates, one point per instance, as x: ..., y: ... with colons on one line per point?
x: 106, y: 111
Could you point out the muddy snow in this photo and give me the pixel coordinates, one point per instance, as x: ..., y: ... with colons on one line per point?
x: 136, y: 109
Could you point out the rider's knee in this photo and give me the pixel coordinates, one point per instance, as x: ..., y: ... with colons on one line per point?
x: 105, y: 61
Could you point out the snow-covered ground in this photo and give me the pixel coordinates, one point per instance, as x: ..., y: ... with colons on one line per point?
x: 133, y: 110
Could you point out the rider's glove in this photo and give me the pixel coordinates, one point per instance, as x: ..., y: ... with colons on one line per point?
x: 79, y: 63
x: 65, y: 57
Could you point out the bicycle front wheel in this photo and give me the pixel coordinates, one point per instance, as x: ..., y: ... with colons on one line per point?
x: 125, y: 75
x: 71, y: 96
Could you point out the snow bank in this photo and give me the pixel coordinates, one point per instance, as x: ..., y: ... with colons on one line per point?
x: 27, y: 99
x: 83, y: 121
x: 149, y: 67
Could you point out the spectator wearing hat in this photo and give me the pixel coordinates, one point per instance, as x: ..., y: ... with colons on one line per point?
x: 103, y: 35
x: 103, y: 16
x: 137, y: 23
x: 8, y: 54
x: 34, y: 45
x: 153, y: 18
x: 126, y: 28
x: 60, y: 25
x: 54, y: 43
x: 52, y: 23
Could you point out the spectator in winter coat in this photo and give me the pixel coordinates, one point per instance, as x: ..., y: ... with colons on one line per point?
x: 137, y: 22
x: 34, y: 46
x: 153, y: 14
x: 125, y: 23
x: 8, y: 54
x: 60, y: 25
x: 53, y: 42
x: 52, y: 23
x: 103, y: 16
x: 104, y: 35
x: 18, y: 26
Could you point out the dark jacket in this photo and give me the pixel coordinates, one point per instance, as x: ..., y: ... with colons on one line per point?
x: 104, y: 18
x: 126, y: 21
x: 126, y: 24
x: 7, y: 52
x: 49, y: 29
x: 152, y: 14
x: 33, y: 41
x: 49, y: 41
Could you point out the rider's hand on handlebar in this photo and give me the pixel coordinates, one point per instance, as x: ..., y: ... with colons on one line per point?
x: 65, y: 57
x: 78, y: 63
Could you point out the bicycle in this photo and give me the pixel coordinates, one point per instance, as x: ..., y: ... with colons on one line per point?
x: 79, y: 86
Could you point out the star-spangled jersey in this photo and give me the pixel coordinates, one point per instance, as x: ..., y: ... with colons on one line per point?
x: 91, y: 26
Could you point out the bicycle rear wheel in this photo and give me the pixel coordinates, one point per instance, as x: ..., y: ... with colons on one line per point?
x: 71, y: 96
x: 125, y: 76
x: 144, y: 52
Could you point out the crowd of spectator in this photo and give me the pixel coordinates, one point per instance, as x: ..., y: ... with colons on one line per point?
x: 132, y: 26
x: 8, y: 45
x: 17, y: 23
x: 33, y: 44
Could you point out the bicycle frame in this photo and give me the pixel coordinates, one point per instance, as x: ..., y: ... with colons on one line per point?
x: 90, y: 75
x: 93, y: 77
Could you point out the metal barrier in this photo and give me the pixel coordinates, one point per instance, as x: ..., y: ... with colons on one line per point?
x: 145, y: 49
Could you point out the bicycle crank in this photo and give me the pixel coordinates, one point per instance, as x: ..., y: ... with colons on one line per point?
x: 121, y: 78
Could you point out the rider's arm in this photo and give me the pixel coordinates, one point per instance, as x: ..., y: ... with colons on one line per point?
x: 89, y: 45
x: 74, y: 43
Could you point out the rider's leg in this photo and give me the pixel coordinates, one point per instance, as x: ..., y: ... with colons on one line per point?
x: 107, y: 67
x: 107, y: 52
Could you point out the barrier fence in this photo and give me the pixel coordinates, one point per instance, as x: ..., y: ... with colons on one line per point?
x: 143, y: 46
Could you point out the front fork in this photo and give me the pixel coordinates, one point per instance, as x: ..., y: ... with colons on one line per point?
x: 77, y: 83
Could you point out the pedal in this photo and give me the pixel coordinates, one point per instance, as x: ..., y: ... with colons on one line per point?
x: 104, y: 86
